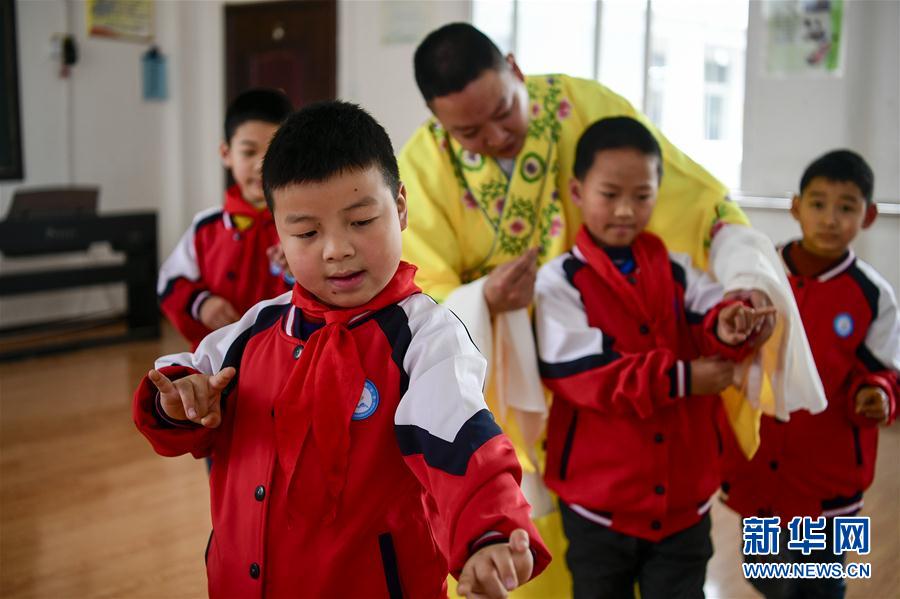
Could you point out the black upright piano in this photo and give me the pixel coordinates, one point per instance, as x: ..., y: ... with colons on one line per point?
x: 132, y: 233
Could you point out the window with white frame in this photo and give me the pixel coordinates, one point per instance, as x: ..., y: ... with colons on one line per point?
x: 680, y: 61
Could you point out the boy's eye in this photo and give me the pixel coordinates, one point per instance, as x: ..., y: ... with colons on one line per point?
x: 363, y: 223
x: 817, y: 204
x: 643, y: 198
x: 307, y: 235
x: 608, y: 194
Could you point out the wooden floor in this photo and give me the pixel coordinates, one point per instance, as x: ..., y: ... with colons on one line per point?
x: 88, y: 510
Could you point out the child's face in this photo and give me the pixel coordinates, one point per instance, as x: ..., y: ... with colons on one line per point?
x: 830, y: 214
x: 341, y: 237
x: 617, y: 195
x: 243, y: 155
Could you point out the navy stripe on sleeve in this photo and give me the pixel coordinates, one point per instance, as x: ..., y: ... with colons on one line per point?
x: 869, y: 289
x: 394, y: 323
x: 558, y: 370
x: 678, y: 274
x: 452, y: 458
x: 208, y: 220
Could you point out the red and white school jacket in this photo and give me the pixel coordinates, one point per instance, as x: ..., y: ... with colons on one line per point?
x: 628, y: 445
x: 820, y: 464
x: 223, y: 253
x: 431, y: 476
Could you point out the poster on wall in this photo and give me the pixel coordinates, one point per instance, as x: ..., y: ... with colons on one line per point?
x: 127, y: 20
x: 803, y: 37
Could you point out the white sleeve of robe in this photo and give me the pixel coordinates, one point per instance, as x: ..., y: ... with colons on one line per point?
x: 743, y: 258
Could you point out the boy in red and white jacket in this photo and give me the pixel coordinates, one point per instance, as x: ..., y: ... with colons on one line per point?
x: 622, y: 329
x: 820, y: 465
x: 229, y: 258
x: 353, y: 453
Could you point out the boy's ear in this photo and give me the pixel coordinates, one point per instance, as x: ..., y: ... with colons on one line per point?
x: 795, y: 207
x: 575, y: 190
x: 871, y: 215
x: 225, y: 154
x: 401, y: 207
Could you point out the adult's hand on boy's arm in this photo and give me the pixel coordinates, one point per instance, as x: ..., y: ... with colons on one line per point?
x: 873, y: 402
x: 737, y: 321
x: 495, y: 570
x: 195, y: 397
x: 710, y: 375
x: 758, y: 299
x: 216, y: 312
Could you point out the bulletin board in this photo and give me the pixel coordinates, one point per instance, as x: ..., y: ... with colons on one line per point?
x: 126, y: 20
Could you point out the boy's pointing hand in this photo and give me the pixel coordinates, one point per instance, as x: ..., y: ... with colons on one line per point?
x: 495, y: 570
x: 195, y: 397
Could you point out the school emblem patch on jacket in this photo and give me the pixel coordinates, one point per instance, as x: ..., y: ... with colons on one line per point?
x: 368, y: 402
x: 843, y: 325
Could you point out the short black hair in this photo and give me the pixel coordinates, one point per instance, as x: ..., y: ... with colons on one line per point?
x: 841, y: 165
x: 450, y: 58
x: 258, y: 104
x: 326, y: 139
x: 610, y: 134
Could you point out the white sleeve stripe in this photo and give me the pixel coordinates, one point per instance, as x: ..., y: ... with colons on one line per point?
x: 561, y: 325
x: 883, y: 337
x: 446, y: 371
x: 701, y: 292
x: 198, y: 301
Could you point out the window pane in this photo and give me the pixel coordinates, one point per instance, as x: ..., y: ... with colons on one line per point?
x: 556, y: 37
x: 713, y: 116
x: 696, y: 96
x: 622, y: 27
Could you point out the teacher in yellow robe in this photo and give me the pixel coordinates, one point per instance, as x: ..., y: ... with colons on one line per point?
x: 488, y: 185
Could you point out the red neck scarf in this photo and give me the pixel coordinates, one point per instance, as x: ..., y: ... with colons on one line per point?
x: 804, y: 263
x: 327, y: 382
x: 648, y: 299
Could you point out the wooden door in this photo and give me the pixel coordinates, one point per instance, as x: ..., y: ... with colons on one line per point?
x: 289, y: 45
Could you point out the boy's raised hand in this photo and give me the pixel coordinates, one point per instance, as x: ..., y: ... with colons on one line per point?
x: 738, y: 321
x: 495, y: 570
x: 195, y: 397
x: 216, y: 312
x: 758, y: 300
x: 872, y: 402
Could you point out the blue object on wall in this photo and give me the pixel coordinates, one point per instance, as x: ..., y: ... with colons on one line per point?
x: 154, y: 66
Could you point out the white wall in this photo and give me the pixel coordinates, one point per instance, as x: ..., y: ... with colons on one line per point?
x: 789, y: 121
x: 377, y: 73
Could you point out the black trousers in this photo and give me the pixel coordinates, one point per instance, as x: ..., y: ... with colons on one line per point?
x: 606, y: 564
